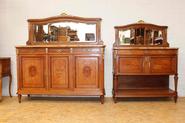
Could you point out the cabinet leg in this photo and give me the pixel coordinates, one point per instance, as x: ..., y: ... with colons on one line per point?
x: 0, y: 87
x: 113, y: 96
x: 28, y: 96
x: 115, y: 99
x: 176, y: 83
x: 175, y: 99
x: 10, y: 84
x: 115, y: 89
x: 102, y: 99
x: 19, y: 98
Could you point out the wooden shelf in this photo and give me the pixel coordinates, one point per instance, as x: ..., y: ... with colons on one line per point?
x: 145, y: 93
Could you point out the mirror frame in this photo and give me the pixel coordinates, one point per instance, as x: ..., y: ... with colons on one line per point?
x: 63, y: 18
x: 146, y: 26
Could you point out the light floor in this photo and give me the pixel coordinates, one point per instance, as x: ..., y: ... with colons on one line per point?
x: 72, y: 110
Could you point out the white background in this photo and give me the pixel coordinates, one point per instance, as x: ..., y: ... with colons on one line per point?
x: 14, y: 28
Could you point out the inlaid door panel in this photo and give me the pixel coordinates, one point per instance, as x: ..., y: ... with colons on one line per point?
x: 59, y: 66
x: 130, y: 64
x: 33, y: 68
x: 86, y: 72
x: 163, y: 65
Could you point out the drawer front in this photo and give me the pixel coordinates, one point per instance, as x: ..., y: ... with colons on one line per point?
x: 130, y: 64
x: 88, y: 50
x: 165, y: 64
x: 161, y: 52
x: 147, y: 52
x: 58, y: 50
x: 31, y: 51
x: 131, y: 52
x: 5, y: 66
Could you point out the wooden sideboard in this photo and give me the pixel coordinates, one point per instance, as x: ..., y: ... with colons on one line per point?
x: 54, y: 63
x: 5, y: 70
x: 61, y: 70
x: 141, y: 66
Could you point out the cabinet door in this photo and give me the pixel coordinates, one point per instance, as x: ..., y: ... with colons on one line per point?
x: 59, y: 71
x: 166, y: 64
x: 32, y: 71
x: 86, y: 72
x: 130, y: 64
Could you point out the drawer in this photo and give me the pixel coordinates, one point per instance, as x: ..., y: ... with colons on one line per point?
x: 163, y: 65
x: 5, y: 65
x: 147, y: 52
x: 58, y: 50
x: 161, y: 52
x: 88, y: 50
x: 132, y: 64
x: 131, y: 52
x: 31, y: 51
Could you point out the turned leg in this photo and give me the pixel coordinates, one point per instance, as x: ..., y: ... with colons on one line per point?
x: 19, y: 98
x: 176, y: 82
x: 0, y: 88
x: 115, y: 99
x: 102, y: 99
x: 113, y: 95
x: 115, y: 83
x: 0, y: 81
x: 10, y: 84
x: 175, y: 98
x: 28, y: 96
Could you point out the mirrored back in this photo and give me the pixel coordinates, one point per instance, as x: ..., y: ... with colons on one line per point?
x: 136, y: 37
x: 64, y: 29
x: 141, y: 34
x: 65, y: 32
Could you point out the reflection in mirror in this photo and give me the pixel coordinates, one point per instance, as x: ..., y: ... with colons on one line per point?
x: 149, y: 36
x: 136, y: 37
x: 139, y: 36
x: 65, y: 31
x: 158, y: 39
x: 125, y: 37
x: 154, y: 37
x: 131, y: 36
